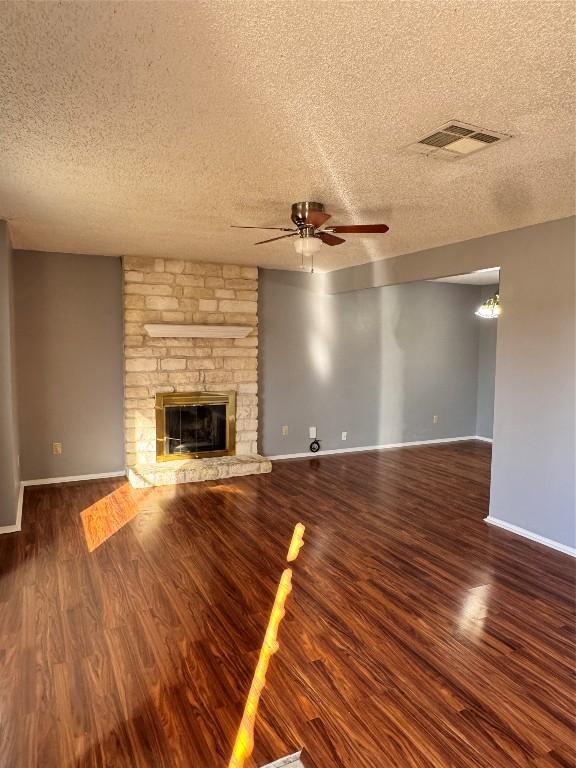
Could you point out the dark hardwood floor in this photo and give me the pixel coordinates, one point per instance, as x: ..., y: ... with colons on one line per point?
x: 416, y: 635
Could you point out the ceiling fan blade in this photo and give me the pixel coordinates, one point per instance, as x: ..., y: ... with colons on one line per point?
x: 279, y: 229
x: 329, y: 239
x: 381, y: 228
x: 317, y: 218
x: 276, y: 238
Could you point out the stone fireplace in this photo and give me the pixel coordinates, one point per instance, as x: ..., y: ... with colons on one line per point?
x: 191, y: 379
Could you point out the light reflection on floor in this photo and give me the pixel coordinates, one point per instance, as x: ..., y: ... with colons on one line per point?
x: 474, y: 611
x: 106, y: 517
x: 226, y: 489
x: 110, y: 514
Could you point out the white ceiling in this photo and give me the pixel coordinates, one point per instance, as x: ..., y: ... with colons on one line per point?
x: 150, y: 127
x: 481, y: 277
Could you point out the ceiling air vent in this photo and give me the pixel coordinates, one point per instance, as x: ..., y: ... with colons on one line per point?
x: 485, y: 137
x: 440, y: 139
x: 459, y: 130
x: 455, y: 140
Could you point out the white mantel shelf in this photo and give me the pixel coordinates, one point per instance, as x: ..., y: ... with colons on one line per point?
x: 165, y: 330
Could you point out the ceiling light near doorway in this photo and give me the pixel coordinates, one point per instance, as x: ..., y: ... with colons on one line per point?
x: 491, y: 308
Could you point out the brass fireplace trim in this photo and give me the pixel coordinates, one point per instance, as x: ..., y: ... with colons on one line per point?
x: 195, y: 398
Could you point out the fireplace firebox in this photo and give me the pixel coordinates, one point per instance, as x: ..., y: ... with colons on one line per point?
x: 195, y: 425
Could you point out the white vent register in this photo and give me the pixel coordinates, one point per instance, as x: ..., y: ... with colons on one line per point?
x: 455, y: 140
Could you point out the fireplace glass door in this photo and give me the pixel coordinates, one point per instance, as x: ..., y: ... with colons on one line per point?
x: 194, y: 425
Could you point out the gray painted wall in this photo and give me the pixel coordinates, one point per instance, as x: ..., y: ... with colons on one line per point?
x: 378, y: 364
x: 534, y: 457
x: 9, y: 470
x: 487, y: 333
x: 69, y: 360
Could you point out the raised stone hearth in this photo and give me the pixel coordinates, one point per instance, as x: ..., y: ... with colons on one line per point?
x: 195, y: 470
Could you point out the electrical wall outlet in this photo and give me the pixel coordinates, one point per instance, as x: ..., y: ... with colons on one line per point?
x: 56, y: 449
x: 435, y: 419
x: 344, y: 435
x: 285, y: 430
x: 312, y: 432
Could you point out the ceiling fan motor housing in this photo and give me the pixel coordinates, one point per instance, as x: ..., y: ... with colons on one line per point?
x: 301, y: 212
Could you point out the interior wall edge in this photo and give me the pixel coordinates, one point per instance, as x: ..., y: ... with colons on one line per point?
x: 532, y: 535
x: 18, y: 524
x: 10, y: 444
x: 534, y: 447
x: 487, y: 252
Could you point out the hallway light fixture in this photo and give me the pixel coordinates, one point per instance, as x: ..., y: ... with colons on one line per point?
x: 491, y: 308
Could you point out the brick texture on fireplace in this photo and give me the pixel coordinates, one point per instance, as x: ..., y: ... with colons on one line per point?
x: 158, y: 290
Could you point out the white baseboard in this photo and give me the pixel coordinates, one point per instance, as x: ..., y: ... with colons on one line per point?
x: 74, y: 478
x: 530, y: 535
x: 290, y: 761
x: 18, y: 524
x: 484, y: 439
x: 49, y: 481
x: 309, y: 454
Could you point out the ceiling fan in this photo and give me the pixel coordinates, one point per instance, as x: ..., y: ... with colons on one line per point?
x: 309, y: 217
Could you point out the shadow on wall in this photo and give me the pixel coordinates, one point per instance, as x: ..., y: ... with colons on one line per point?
x: 438, y: 332
x: 378, y: 364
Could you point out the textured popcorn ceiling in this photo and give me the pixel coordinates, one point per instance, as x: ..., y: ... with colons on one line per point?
x: 149, y: 128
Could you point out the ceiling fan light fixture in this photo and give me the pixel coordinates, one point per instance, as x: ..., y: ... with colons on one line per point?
x: 307, y: 245
x: 490, y: 309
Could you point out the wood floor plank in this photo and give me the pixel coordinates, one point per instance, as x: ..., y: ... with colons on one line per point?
x: 416, y: 636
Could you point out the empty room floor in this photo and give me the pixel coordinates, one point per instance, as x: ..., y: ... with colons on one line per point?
x: 416, y: 635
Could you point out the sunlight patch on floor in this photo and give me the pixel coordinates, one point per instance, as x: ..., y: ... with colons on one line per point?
x: 106, y: 517
x: 226, y: 489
